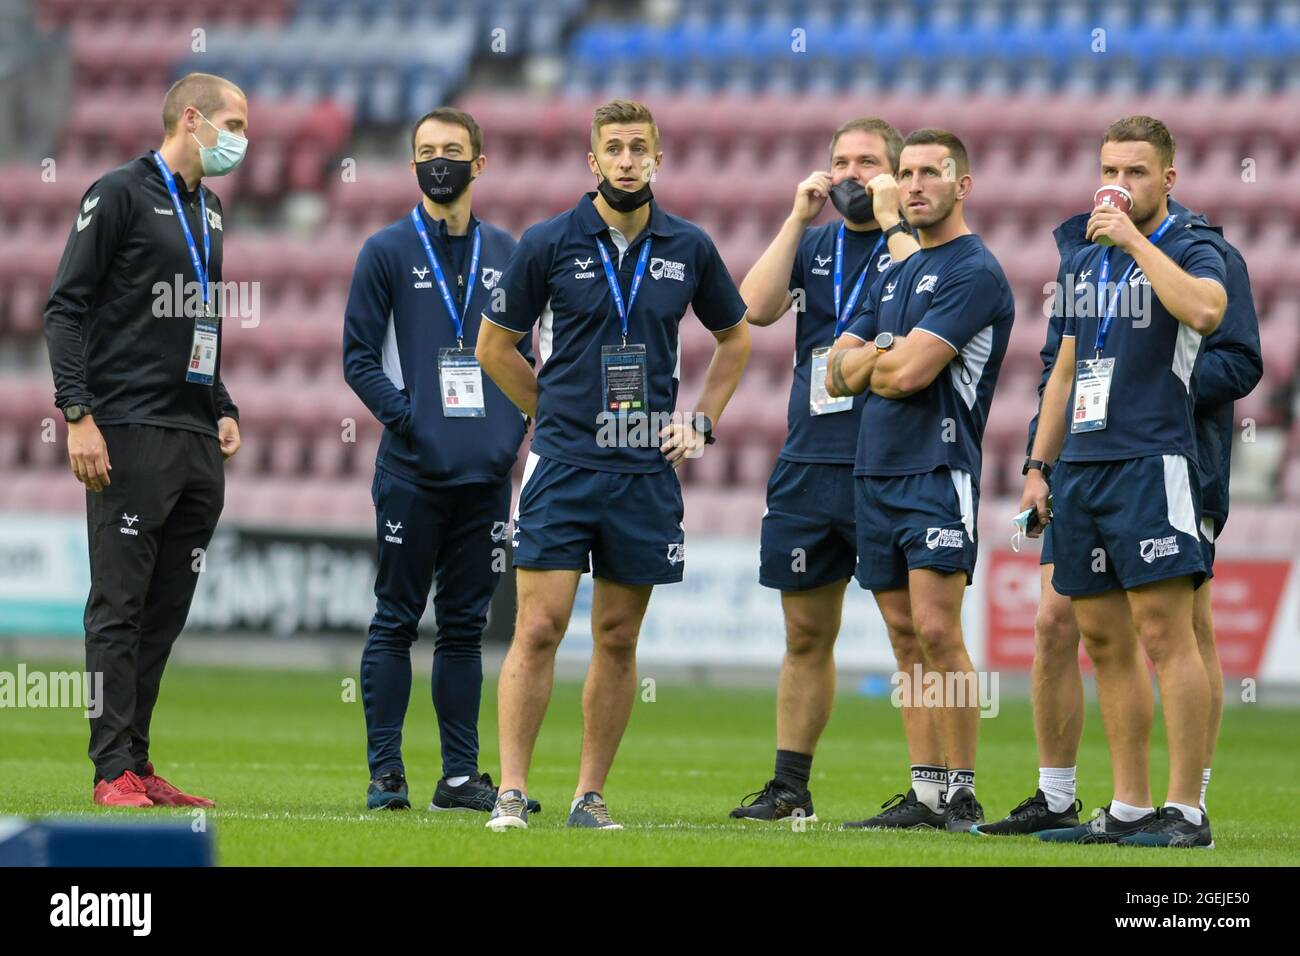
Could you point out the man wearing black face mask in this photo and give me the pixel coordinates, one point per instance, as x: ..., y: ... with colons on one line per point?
x: 808, y: 550
x: 609, y: 281
x: 442, y: 475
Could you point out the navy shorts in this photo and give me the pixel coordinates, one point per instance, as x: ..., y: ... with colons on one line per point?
x: 1046, y: 555
x: 808, y: 539
x: 908, y: 522
x: 629, y: 526
x: 1122, y: 524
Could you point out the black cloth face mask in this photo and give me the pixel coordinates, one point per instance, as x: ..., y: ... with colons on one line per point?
x: 442, y: 179
x: 852, y: 201
x: 621, y: 201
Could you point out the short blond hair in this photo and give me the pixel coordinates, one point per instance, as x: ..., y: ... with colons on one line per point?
x: 621, y: 111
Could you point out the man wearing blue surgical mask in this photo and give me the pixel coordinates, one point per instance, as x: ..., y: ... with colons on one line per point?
x: 133, y: 325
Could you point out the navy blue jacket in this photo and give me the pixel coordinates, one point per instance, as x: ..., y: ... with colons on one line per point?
x: 395, y: 323
x: 1229, y: 366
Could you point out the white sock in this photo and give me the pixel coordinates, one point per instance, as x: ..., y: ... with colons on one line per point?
x: 1205, y: 784
x: 1193, y: 814
x: 456, y: 781
x: 1127, y: 814
x: 931, y: 785
x: 1057, y: 784
x: 960, y: 779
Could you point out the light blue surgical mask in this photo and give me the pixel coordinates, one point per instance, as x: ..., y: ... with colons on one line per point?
x: 225, y: 155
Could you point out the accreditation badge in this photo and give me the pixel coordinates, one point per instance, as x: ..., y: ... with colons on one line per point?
x: 1092, y: 379
x: 819, y: 400
x: 623, y: 378
x: 460, y: 380
x: 202, y: 368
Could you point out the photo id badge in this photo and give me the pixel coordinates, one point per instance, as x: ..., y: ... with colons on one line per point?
x: 460, y: 380
x: 1091, y: 394
x: 202, y: 368
x: 622, y: 370
x: 819, y: 401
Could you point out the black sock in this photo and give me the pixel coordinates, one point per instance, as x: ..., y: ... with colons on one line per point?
x: 793, y: 768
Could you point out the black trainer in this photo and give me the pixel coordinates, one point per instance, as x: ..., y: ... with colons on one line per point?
x: 1171, y: 828
x: 476, y: 793
x: 1102, y: 828
x: 1031, y: 816
x: 388, y: 792
x: 900, y: 812
x: 963, y: 812
x: 776, y: 802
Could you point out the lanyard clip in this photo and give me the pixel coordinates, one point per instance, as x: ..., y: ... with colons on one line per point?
x: 460, y: 343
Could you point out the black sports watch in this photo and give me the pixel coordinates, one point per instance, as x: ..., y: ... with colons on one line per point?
x: 75, y: 413
x: 896, y: 228
x: 1042, y: 466
x: 703, y: 426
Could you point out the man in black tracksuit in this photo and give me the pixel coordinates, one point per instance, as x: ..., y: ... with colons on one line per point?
x: 133, y: 326
x: 442, y: 476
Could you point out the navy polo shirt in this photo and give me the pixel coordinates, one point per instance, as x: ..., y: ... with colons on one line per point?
x: 827, y: 438
x: 556, y: 275
x: 958, y: 293
x: 1151, y: 407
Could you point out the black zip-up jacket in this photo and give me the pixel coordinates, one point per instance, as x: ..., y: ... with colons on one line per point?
x: 116, y: 340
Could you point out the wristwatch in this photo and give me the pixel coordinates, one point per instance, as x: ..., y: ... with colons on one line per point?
x: 74, y: 413
x: 1042, y: 466
x: 703, y: 426
x: 900, y: 226
x: 884, y: 341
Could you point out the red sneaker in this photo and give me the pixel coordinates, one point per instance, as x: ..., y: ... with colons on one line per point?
x: 128, y: 790
x: 163, y: 794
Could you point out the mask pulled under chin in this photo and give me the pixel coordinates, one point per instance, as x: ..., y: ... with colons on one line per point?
x: 442, y: 179
x: 622, y: 201
x: 852, y: 201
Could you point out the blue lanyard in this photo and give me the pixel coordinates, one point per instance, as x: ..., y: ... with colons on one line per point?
x: 457, y: 319
x: 612, y: 279
x: 842, y: 318
x: 200, y: 268
x: 1103, y: 328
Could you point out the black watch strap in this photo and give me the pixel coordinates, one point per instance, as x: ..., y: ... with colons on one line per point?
x: 896, y: 228
x: 704, y: 426
x: 1042, y: 466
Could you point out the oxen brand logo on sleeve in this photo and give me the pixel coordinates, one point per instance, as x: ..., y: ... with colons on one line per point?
x: 392, y: 537
x: 130, y: 524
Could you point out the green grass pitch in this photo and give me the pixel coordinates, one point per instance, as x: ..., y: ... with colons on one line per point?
x: 284, y: 756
